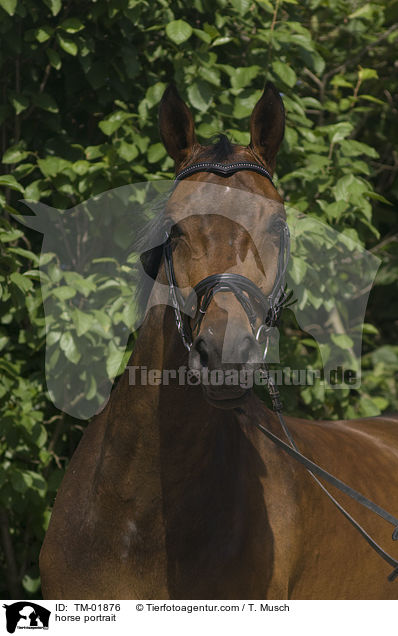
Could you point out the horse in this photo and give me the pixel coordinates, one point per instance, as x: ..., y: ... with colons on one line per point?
x: 173, y: 491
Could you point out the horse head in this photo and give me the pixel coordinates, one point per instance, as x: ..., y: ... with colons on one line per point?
x: 227, y: 222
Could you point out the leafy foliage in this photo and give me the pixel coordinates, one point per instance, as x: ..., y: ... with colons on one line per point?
x: 81, y: 83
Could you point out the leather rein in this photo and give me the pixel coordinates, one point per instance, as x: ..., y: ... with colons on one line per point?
x: 271, y: 306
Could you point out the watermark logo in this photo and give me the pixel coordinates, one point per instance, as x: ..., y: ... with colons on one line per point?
x: 99, y: 279
x: 26, y: 615
x: 242, y: 378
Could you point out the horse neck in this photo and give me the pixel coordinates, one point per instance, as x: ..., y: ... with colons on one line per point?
x: 203, y: 477
x: 154, y: 390
x: 166, y: 429
x: 192, y: 437
x: 194, y: 442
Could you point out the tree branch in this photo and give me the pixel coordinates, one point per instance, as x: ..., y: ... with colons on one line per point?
x: 321, y: 85
x: 384, y: 242
x: 45, y: 78
x: 359, y: 56
x: 11, y: 564
x: 57, y: 431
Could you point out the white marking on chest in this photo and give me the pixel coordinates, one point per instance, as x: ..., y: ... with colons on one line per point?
x: 128, y: 538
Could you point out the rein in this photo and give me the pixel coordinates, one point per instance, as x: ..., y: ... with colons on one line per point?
x: 271, y: 306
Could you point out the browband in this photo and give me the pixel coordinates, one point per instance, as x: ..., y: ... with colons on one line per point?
x: 223, y: 169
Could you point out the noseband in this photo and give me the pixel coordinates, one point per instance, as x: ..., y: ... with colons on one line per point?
x: 244, y: 290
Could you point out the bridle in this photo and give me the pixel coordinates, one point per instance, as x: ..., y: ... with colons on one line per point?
x: 271, y: 306
x: 244, y: 290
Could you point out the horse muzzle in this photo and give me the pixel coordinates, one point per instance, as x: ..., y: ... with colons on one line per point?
x: 226, y: 366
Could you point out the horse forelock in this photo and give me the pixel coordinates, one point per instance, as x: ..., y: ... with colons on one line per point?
x: 220, y: 150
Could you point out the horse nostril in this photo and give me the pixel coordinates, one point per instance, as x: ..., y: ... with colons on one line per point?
x: 208, y: 353
x: 246, y: 349
x: 199, y: 356
x: 203, y: 353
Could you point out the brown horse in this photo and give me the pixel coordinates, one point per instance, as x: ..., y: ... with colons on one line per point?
x: 173, y: 492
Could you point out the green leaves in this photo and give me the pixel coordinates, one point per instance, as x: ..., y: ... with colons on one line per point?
x: 51, y: 166
x: 285, y: 73
x: 202, y: 35
x: 15, y: 154
x: 44, y: 33
x: 367, y: 73
x: 23, y: 480
x: 154, y: 94
x: 54, y: 58
x: 54, y: 6
x: 178, y: 31
x: 354, y: 148
x: 8, y: 181
x: 298, y: 269
x: 80, y: 117
x: 113, y: 122
x: 241, y: 6
x: 127, y: 151
x: 83, y: 321
x: 64, y: 293
x: 68, y: 45
x: 46, y: 102
x: 200, y: 95
x: 156, y: 152
x: 244, y: 76
x: 9, y: 6
x: 72, y: 25
x: 113, y: 360
x: 339, y: 131
x: 9, y: 235
x: 342, y: 340
x: 334, y: 210
x: 19, y: 102
x: 68, y: 346
x: 31, y: 585
x: 349, y: 188
x: 23, y: 283
x: 243, y: 105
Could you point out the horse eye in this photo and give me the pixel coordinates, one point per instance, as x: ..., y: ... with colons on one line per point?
x: 276, y: 226
x: 176, y: 232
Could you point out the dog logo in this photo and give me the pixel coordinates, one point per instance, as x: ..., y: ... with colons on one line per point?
x: 26, y: 615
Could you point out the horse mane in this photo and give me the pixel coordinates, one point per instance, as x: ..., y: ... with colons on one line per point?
x: 148, y: 246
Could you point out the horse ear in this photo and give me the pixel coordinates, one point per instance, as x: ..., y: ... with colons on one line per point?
x: 176, y: 124
x: 267, y: 125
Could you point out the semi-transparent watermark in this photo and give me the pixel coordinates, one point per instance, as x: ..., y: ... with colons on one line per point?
x: 99, y: 279
x: 242, y: 378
